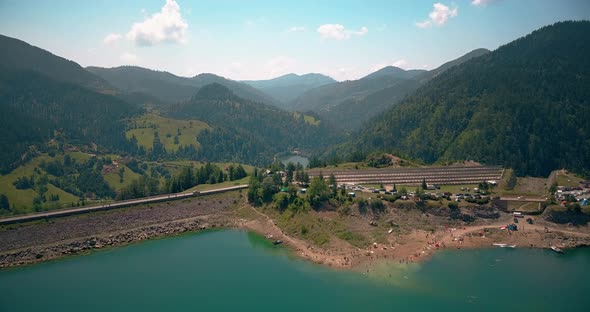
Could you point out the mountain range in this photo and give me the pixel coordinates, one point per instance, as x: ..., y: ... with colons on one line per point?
x: 288, y: 87
x: 524, y: 105
x: 349, y: 104
x: 168, y: 88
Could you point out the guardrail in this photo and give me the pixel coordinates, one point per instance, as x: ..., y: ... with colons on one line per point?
x: 115, y: 205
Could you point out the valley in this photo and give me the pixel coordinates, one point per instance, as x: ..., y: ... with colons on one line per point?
x: 345, y: 172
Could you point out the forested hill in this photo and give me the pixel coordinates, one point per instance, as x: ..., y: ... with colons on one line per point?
x: 35, y: 109
x: 350, y: 104
x: 19, y: 55
x: 169, y: 88
x: 288, y: 87
x: 525, y: 105
x: 249, y: 132
x: 353, y: 113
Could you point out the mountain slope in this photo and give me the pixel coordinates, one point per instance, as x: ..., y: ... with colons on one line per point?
x: 351, y: 113
x: 169, y: 88
x: 19, y: 55
x: 288, y: 87
x: 395, y: 72
x: 247, y: 131
x: 35, y: 109
x: 326, y: 97
x: 525, y: 105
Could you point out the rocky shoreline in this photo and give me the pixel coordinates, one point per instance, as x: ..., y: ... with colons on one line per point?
x: 32, y: 255
x: 57, y: 238
x: 61, y: 237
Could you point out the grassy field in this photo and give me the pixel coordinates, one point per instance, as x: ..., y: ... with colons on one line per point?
x: 310, y: 120
x: 567, y: 179
x: 456, y: 189
x: 530, y: 187
x: 313, y: 227
x: 522, y: 206
x: 167, y: 128
x: 114, y: 180
x: 22, y: 199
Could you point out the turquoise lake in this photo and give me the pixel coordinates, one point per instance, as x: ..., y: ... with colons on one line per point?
x: 232, y: 270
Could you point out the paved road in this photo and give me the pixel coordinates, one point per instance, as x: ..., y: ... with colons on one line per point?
x: 119, y: 204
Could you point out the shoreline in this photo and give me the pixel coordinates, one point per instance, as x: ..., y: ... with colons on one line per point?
x: 358, y: 260
x: 412, y: 249
x: 163, y: 220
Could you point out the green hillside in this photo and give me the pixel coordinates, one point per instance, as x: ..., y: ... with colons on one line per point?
x: 35, y: 109
x: 19, y: 55
x: 525, y: 105
x: 350, y: 104
x: 172, y: 133
x: 247, y: 132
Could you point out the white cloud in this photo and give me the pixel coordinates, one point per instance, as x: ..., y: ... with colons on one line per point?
x: 129, y: 58
x: 164, y: 26
x: 112, y: 38
x: 296, y: 29
x: 442, y: 13
x: 424, y: 24
x: 279, y: 65
x: 338, y: 32
x: 439, y: 15
x: 401, y: 63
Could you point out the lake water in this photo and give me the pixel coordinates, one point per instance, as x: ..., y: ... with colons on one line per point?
x: 304, y: 161
x: 240, y: 271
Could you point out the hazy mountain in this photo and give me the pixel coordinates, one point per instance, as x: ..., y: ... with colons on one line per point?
x: 169, y: 88
x: 288, y: 87
x: 19, y: 55
x: 246, y: 131
x: 352, y: 113
x: 350, y: 104
x: 393, y: 71
x: 325, y: 97
x: 525, y: 105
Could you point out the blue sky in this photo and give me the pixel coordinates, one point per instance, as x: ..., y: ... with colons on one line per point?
x: 265, y: 39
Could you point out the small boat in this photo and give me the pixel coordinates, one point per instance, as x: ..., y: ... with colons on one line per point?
x: 556, y: 249
x: 499, y: 245
x: 277, y: 242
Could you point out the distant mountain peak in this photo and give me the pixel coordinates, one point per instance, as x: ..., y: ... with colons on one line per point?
x: 394, y: 72
x: 214, y: 91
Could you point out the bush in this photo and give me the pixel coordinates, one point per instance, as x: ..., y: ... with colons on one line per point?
x: 362, y: 204
x: 377, y: 206
x: 345, y: 210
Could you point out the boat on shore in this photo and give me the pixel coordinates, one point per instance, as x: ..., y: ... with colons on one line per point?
x: 277, y: 242
x: 556, y: 249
